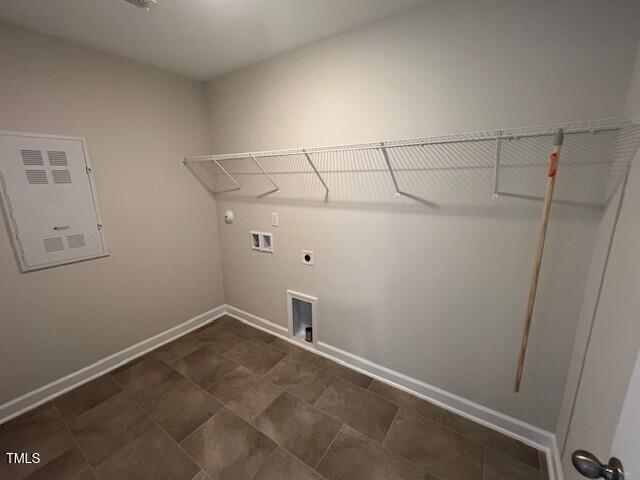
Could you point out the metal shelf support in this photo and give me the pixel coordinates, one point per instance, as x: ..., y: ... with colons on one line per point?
x: 400, y: 192
x: 275, y: 189
x: 324, y: 184
x: 496, y: 170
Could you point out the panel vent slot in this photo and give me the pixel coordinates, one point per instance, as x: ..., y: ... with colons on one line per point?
x: 76, y: 241
x: 37, y: 177
x: 61, y: 176
x: 141, y: 3
x: 57, y: 159
x: 31, y: 157
x: 53, y: 244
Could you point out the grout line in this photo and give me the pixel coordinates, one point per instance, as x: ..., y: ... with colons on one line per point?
x: 329, y: 447
x: 167, y: 433
x: 484, y: 462
x: 391, y: 425
x: 266, y: 461
x: 75, y: 441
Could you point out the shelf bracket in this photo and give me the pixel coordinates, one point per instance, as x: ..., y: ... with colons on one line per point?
x: 399, y: 192
x: 324, y: 184
x: 275, y: 189
x: 496, y: 168
x: 224, y: 170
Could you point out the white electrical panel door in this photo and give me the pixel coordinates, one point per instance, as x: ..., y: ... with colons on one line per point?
x: 49, y: 200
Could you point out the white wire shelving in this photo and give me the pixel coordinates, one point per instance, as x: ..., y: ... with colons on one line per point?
x: 431, y: 171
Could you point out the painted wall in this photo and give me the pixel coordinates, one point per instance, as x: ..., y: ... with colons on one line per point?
x: 160, y: 225
x: 435, y: 294
x: 601, y: 379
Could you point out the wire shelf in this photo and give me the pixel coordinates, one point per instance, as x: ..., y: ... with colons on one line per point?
x: 435, y: 171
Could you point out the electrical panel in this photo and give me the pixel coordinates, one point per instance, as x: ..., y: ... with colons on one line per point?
x: 49, y: 200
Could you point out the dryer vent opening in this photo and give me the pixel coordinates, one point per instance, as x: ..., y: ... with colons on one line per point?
x: 302, y: 316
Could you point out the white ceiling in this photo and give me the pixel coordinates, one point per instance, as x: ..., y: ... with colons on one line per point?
x: 198, y: 38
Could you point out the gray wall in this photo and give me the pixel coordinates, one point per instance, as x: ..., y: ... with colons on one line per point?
x: 437, y: 295
x: 161, y: 227
x: 592, y: 405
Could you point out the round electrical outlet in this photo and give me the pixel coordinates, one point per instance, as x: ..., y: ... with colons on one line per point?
x: 307, y: 257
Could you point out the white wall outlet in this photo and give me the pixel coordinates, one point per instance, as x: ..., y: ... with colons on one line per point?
x: 255, y: 241
x: 266, y: 242
x: 274, y: 219
x: 307, y: 257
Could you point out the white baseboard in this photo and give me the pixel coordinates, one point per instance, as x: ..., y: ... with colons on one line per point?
x: 41, y: 395
x: 512, y: 427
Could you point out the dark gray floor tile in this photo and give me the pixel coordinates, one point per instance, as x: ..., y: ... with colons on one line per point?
x: 38, y: 431
x: 440, y: 451
x: 87, y: 396
x: 68, y: 466
x: 174, y: 351
x: 284, y: 466
x: 107, y: 428
x: 245, y: 392
x: 221, y: 326
x: 181, y: 407
x: 140, y: 378
x: 295, y: 352
x: 204, y: 366
x: 407, y: 401
x: 255, y: 355
x: 300, y: 379
x: 358, y: 408
x: 227, y: 447
x: 353, y: 456
x: 151, y: 456
x: 222, y: 342
x: 298, y: 427
x: 498, y: 466
x: 340, y: 371
x: 260, y: 335
x: 493, y: 439
x: 131, y: 363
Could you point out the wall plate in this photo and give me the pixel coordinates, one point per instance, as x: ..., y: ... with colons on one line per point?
x: 307, y: 257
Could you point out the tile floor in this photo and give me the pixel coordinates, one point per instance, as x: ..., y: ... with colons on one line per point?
x: 230, y: 402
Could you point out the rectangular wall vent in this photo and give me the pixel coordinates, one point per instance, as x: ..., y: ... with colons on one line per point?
x: 53, y: 244
x: 37, y: 177
x: 76, y: 241
x: 57, y: 159
x: 61, y: 176
x: 31, y: 158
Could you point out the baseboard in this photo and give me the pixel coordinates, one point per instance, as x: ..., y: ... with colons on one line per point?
x: 255, y: 320
x: 512, y: 427
x: 41, y: 395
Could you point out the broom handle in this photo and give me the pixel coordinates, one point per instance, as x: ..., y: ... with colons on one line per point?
x: 544, y: 222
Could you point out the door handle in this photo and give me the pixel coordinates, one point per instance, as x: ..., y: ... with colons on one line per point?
x: 589, y: 466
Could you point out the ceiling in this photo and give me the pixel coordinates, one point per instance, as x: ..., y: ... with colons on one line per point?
x: 201, y: 39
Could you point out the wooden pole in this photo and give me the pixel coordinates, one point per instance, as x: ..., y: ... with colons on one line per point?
x: 544, y: 222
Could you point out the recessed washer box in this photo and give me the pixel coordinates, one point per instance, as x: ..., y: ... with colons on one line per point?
x: 49, y: 200
x: 261, y: 241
